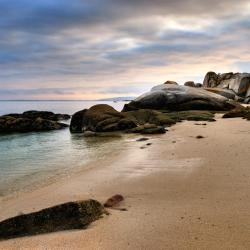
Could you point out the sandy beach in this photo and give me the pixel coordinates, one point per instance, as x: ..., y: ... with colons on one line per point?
x: 180, y: 193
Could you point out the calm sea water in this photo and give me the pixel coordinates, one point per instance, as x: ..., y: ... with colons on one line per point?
x: 31, y: 159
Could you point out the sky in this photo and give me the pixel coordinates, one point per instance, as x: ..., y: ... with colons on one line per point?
x: 82, y: 49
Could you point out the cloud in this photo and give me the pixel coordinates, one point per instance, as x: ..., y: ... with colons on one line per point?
x: 105, y: 47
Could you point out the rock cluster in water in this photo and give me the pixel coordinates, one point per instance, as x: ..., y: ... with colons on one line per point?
x: 32, y: 121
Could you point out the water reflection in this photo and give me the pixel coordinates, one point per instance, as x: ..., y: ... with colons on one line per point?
x: 34, y: 158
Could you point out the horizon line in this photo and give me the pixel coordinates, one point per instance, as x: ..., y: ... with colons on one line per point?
x: 24, y: 100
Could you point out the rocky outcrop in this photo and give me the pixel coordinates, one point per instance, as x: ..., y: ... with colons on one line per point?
x: 67, y: 216
x: 104, y: 118
x: 176, y: 97
x: 17, y: 123
x: 100, y: 118
x: 238, y: 83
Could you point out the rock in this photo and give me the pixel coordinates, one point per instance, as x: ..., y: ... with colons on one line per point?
x: 247, y: 100
x: 198, y: 85
x: 100, y: 118
x: 143, y: 139
x: 144, y: 116
x: 243, y: 112
x: 210, y: 80
x: 171, y: 82
x: 76, y: 123
x: 173, y: 97
x: 190, y: 84
x: 223, y: 92
x: 67, y: 216
x: 33, y: 114
x: 9, y: 124
x: 199, y: 137
x: 114, y: 201
x: 148, y: 129
x: 192, y: 115
x: 239, y: 83
x: 89, y: 134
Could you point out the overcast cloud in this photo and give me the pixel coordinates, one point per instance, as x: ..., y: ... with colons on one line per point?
x: 79, y: 49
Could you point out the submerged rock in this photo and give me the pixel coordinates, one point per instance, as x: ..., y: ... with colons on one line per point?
x: 67, y: 216
x: 173, y: 97
x: 33, y: 114
x: 32, y: 121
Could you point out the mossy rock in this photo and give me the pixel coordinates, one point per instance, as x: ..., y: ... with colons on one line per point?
x: 192, y: 115
x: 240, y: 112
x: 67, y: 216
x: 148, y: 129
x: 143, y: 116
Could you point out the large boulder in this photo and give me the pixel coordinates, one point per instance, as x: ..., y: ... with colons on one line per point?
x: 11, y: 124
x: 100, y: 118
x: 239, y: 83
x: 67, y: 216
x: 176, y: 97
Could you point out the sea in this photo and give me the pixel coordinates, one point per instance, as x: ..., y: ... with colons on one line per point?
x: 29, y: 160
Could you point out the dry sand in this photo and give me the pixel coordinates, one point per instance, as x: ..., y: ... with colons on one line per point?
x: 180, y: 192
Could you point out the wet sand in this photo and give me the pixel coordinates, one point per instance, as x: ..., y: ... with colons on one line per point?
x: 180, y: 192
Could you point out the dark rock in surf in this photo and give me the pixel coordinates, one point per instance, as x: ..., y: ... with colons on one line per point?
x: 10, y: 124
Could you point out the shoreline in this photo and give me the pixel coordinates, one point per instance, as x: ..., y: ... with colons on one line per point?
x: 180, y: 192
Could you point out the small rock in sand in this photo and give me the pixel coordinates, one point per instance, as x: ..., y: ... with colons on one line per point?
x: 143, y: 139
x: 199, y: 137
x: 114, y: 200
x: 204, y: 124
